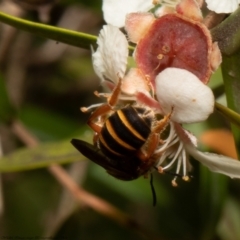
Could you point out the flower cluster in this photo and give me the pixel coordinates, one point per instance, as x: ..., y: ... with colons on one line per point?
x: 175, y: 57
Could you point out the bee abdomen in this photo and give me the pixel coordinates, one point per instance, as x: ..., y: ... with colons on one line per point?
x: 124, y: 132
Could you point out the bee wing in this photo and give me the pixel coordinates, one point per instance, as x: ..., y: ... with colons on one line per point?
x: 95, y: 154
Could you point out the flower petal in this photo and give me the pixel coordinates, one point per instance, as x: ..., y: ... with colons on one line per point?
x: 137, y: 24
x: 190, y: 9
x: 115, y: 11
x: 146, y: 99
x: 163, y: 10
x: 222, y: 6
x: 191, y: 100
x: 134, y: 81
x: 110, y: 59
x: 216, y: 163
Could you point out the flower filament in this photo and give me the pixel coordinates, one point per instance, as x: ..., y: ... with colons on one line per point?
x: 174, y: 152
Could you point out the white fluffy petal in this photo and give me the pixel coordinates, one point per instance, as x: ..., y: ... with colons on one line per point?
x: 191, y: 100
x: 222, y: 6
x: 115, y: 10
x: 110, y: 59
x: 216, y: 163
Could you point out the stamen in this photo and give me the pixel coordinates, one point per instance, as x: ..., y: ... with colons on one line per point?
x: 186, y: 178
x: 170, y: 138
x: 105, y: 95
x: 160, y: 170
x: 174, y: 183
x: 86, y: 109
x: 174, y: 141
x: 179, y: 164
x: 175, y: 157
x: 184, y: 159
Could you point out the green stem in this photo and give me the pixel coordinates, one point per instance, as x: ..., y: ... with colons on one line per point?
x: 231, y: 115
x: 63, y: 35
x: 74, y: 38
x: 231, y: 78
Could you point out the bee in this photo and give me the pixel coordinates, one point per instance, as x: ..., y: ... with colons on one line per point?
x: 125, y: 139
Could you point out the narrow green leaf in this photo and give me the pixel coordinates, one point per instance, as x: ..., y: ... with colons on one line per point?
x: 7, y: 111
x: 229, y: 225
x: 74, y: 38
x: 41, y: 156
x: 212, y: 196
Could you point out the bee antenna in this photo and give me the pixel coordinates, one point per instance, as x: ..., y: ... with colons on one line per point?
x: 153, y: 191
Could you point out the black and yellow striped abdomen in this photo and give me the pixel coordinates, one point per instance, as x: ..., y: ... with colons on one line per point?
x: 125, y: 132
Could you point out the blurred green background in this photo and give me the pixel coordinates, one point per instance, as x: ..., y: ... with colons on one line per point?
x: 47, y: 82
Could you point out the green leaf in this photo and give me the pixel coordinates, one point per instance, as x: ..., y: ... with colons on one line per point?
x: 74, y: 38
x: 28, y: 189
x: 39, y: 157
x: 229, y: 225
x: 47, y: 125
x: 212, y: 196
x: 7, y: 111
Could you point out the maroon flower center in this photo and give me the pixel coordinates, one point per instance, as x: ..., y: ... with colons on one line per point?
x: 174, y: 42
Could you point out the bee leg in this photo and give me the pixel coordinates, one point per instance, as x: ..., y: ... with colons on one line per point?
x: 154, y: 139
x: 99, y: 112
x: 113, y: 99
x: 150, y: 147
x: 162, y: 124
x: 105, y: 108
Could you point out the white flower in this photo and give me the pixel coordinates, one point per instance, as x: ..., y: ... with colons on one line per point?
x: 110, y: 62
x: 115, y: 11
x: 110, y: 59
x: 177, y: 90
x: 191, y: 101
x: 222, y: 6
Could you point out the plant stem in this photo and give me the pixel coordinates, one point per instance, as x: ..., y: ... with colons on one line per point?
x: 231, y: 78
x: 74, y: 38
